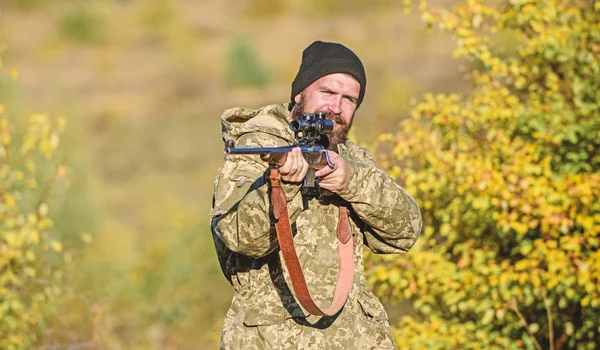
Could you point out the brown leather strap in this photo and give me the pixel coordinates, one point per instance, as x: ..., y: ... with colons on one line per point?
x: 286, y: 244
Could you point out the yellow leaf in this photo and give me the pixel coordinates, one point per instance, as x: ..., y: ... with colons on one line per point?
x: 56, y: 246
x: 34, y: 236
x: 520, y: 227
x: 10, y: 200
x: 10, y: 238
x: 30, y: 255
x: 32, y: 218
x: 29, y: 271
x: 585, y: 301
x: 521, y: 265
x: 86, y: 237
x: 43, y: 209
x: 44, y: 223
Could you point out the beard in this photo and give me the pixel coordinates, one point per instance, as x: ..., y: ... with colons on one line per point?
x: 340, y: 131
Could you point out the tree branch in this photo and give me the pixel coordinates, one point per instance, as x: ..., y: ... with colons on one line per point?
x: 513, y: 305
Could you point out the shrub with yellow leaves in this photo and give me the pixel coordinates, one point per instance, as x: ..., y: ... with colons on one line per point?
x: 508, y: 181
x: 30, y: 256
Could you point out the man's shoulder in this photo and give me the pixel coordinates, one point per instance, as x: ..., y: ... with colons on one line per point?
x: 271, y: 119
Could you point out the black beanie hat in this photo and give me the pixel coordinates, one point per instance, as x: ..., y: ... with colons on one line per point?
x: 323, y: 58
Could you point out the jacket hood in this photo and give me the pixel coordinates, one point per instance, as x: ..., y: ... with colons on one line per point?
x: 272, y: 119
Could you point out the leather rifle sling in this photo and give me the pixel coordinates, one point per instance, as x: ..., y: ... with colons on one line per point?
x: 286, y: 244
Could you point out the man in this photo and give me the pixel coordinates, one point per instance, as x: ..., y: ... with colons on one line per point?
x: 265, y: 312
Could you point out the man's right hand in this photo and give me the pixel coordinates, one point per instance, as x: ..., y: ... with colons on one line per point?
x: 294, y: 167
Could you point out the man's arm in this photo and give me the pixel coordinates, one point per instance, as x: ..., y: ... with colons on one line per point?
x: 241, y: 203
x: 392, y: 215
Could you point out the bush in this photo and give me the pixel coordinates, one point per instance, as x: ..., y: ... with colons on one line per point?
x: 30, y: 256
x: 508, y: 180
x: 244, y: 66
x: 82, y: 25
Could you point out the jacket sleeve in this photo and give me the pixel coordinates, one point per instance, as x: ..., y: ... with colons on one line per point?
x: 391, y: 215
x: 240, y: 215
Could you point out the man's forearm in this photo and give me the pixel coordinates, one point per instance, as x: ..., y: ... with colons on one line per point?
x: 246, y: 226
x: 391, y: 214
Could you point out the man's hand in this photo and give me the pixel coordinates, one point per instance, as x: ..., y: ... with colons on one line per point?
x: 293, y: 166
x: 336, y: 179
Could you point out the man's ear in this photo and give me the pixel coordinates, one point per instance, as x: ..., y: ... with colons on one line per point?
x: 297, y: 98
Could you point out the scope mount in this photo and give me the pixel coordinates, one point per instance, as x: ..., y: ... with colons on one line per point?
x: 311, y: 128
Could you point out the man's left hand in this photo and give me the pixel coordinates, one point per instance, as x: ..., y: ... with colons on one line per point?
x: 334, y: 179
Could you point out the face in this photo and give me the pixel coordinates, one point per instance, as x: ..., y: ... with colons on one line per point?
x: 336, y: 95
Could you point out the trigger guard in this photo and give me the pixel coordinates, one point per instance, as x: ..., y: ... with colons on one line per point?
x: 331, y: 165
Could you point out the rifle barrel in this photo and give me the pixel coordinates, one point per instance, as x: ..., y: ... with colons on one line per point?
x: 258, y: 150
x: 265, y: 150
x: 315, y: 154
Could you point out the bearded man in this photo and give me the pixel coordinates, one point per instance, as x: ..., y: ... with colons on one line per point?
x: 266, y: 312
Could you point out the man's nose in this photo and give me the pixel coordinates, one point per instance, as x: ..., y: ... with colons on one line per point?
x: 335, y: 105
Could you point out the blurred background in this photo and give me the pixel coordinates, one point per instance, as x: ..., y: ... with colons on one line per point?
x: 142, y: 84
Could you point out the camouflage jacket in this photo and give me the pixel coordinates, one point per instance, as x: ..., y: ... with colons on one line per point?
x: 264, y: 313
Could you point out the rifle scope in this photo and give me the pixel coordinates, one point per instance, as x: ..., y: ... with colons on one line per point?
x: 312, y: 122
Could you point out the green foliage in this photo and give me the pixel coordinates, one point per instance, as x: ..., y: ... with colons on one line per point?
x: 244, y: 65
x: 29, y: 255
x: 83, y: 25
x: 508, y: 181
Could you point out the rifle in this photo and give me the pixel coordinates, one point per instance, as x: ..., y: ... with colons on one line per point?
x: 308, y: 132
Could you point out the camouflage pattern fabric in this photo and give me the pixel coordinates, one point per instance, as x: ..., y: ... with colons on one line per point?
x: 264, y: 313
